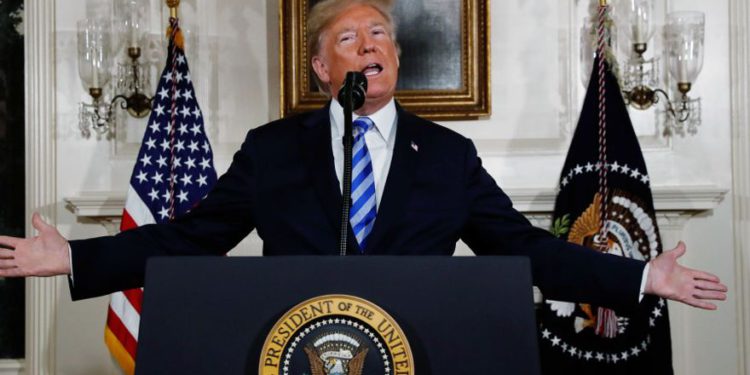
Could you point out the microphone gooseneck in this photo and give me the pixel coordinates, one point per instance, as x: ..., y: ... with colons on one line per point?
x: 352, y: 97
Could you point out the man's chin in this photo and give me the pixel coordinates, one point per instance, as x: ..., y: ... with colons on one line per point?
x: 376, y: 93
x: 373, y: 105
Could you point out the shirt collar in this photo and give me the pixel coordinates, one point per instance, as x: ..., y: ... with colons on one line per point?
x: 384, y: 119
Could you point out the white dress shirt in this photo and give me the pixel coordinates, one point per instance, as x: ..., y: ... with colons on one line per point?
x: 380, y: 141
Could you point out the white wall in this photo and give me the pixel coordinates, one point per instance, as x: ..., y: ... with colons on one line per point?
x: 536, y: 91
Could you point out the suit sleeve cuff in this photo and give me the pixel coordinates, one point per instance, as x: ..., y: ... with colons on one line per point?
x: 642, y: 293
x: 70, y: 260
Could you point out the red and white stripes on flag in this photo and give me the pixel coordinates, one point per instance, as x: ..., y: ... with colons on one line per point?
x: 124, y: 312
x: 173, y: 172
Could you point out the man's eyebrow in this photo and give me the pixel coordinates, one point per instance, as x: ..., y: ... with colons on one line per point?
x: 354, y: 29
x: 345, y: 30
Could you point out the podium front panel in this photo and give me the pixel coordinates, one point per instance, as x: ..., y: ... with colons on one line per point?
x: 461, y: 315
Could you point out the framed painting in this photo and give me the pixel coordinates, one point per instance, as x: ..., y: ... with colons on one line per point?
x: 445, y: 59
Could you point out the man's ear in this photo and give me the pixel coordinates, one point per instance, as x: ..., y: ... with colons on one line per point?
x: 398, y: 54
x: 321, y: 69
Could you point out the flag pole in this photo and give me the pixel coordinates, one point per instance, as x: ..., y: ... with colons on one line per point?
x: 174, y: 4
x: 603, y: 180
x: 175, y: 43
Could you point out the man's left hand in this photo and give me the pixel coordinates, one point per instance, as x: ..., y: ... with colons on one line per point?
x: 668, y: 279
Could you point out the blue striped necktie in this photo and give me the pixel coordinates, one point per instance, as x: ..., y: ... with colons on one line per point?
x: 362, y: 214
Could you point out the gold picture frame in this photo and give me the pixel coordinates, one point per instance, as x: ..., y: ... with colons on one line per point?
x: 462, y: 94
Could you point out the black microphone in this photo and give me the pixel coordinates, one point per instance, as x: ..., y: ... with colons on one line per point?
x: 355, y: 85
x: 351, y: 97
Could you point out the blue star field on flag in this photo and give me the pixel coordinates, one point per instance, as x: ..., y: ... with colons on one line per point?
x: 187, y: 159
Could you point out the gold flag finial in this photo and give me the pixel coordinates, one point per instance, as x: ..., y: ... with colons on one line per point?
x: 179, y: 39
x: 601, y: 3
x: 173, y: 5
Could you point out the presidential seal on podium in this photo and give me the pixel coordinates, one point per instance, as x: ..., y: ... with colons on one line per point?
x: 336, y: 335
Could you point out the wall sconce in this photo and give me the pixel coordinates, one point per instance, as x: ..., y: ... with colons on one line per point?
x: 97, y: 45
x: 641, y: 77
x: 684, y: 39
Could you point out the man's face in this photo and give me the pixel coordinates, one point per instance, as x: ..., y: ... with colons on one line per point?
x: 359, y: 39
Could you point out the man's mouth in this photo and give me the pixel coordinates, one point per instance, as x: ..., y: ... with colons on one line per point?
x: 372, y: 69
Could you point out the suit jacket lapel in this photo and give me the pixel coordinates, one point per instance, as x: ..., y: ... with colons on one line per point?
x: 316, y: 143
x: 398, y: 184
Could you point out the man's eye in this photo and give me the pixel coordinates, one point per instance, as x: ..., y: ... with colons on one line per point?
x: 346, y: 38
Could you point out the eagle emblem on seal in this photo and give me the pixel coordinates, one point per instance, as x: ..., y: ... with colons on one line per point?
x: 336, y: 354
x: 631, y: 233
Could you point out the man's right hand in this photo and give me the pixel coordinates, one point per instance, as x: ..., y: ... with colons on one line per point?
x: 43, y: 255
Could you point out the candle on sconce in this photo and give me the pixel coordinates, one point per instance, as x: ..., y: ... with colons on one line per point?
x: 641, y: 24
x: 682, y: 72
x: 133, y: 28
x: 638, y: 15
x: 95, y: 74
x: 638, y: 30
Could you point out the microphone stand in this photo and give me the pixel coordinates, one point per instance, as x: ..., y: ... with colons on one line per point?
x: 346, y: 193
x: 351, y: 97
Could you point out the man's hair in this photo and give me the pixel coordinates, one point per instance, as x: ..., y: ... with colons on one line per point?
x: 325, y: 11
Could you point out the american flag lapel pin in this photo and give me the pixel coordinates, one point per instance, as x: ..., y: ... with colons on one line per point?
x: 414, y: 146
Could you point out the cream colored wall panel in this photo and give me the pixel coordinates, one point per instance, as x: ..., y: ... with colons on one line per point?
x: 531, y: 105
x: 704, y: 342
x: 740, y: 71
x: 80, y: 341
x: 11, y: 367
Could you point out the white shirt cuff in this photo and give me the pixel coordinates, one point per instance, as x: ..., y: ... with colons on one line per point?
x: 640, y: 295
x: 70, y: 259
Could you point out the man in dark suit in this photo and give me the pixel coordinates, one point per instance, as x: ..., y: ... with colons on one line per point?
x: 418, y: 188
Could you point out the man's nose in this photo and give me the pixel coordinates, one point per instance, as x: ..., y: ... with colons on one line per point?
x: 367, y: 45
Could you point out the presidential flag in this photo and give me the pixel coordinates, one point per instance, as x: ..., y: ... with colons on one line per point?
x: 604, y: 202
x: 173, y: 172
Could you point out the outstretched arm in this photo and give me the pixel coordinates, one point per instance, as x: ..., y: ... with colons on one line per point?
x: 668, y: 279
x: 43, y: 255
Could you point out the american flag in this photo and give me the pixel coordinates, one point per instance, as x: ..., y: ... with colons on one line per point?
x: 173, y: 172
